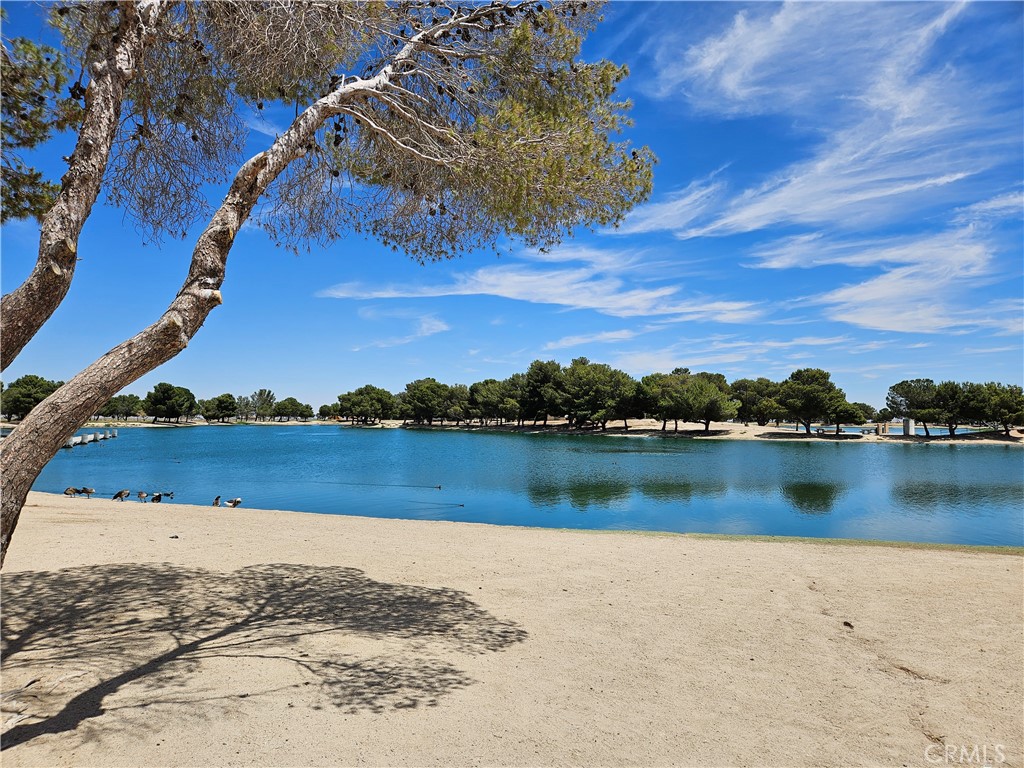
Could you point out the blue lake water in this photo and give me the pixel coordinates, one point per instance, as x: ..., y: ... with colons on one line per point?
x: 968, y: 494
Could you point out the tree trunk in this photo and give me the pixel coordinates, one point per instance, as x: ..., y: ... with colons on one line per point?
x: 707, y: 425
x: 41, y: 434
x: 807, y: 426
x: 925, y: 425
x: 837, y: 427
x: 24, y: 311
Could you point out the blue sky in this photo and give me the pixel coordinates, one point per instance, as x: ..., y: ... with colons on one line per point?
x: 839, y: 186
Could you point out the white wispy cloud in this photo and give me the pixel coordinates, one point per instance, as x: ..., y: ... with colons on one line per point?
x: 762, y: 355
x: 603, y: 337
x: 596, y: 286
x: 261, y: 125
x: 891, y: 133
x: 1009, y: 206
x: 423, y: 325
x: 678, y: 212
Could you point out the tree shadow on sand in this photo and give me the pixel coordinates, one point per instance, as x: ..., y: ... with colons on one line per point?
x: 152, y: 627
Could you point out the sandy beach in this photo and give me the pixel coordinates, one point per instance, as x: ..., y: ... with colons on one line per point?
x: 169, y: 635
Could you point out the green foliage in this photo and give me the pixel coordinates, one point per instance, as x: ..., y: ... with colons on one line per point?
x: 220, y: 408
x: 25, y: 393
x: 867, y: 411
x: 329, y: 411
x: 544, y: 385
x: 487, y: 127
x: 513, y: 394
x: 809, y: 395
x: 262, y: 402
x: 914, y: 399
x: 758, y: 400
x: 31, y: 109
x: 705, y: 398
x: 843, y: 412
x: 1003, y: 404
x: 424, y: 400
x: 661, y: 396
x: 367, y: 404
x: 123, y: 407
x: 597, y: 393
x: 486, y: 398
x: 456, y: 406
x: 290, y: 408
x: 243, y: 407
x: 958, y: 402
x: 161, y: 403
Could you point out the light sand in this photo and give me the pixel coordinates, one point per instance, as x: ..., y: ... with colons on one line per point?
x: 168, y: 635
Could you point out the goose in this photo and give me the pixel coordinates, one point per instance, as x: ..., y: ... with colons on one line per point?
x: 121, y: 495
x: 156, y: 498
x: 87, y: 491
x: 71, y: 492
x: 216, y: 502
x: 142, y: 496
x: 233, y: 502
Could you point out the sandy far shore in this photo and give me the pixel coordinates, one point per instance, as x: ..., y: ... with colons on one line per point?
x: 170, y: 635
x: 719, y: 430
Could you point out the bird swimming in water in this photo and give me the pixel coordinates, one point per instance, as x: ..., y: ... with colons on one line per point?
x: 121, y: 495
x: 142, y: 496
x: 233, y: 502
x: 87, y: 491
x: 216, y: 502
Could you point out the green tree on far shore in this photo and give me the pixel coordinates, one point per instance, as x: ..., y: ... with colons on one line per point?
x: 809, y: 395
x: 220, y: 408
x: 123, y: 407
x: 706, y: 398
x: 913, y: 399
x: 1003, y: 405
x: 25, y: 393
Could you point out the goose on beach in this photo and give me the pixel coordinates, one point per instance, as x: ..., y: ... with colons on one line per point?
x: 71, y: 492
x: 142, y: 496
x: 156, y: 498
x: 87, y: 491
x: 233, y: 502
x: 121, y: 495
x: 216, y: 502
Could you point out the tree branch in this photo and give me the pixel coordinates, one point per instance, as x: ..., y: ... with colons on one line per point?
x: 24, y: 311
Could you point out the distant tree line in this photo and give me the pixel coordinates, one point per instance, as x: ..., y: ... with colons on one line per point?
x: 591, y: 394
x: 166, y: 402
x: 587, y: 395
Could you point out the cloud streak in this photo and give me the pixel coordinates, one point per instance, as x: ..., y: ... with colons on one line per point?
x: 598, y: 284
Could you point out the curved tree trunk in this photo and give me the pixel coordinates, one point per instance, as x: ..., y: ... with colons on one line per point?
x: 24, y: 311
x: 41, y: 434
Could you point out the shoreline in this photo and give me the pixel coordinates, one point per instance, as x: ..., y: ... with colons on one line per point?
x: 48, y: 499
x: 178, y: 635
x: 639, y: 428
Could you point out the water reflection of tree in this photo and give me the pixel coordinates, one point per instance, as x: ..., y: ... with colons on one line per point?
x: 968, y: 499
x: 148, y: 629
x: 813, y: 498
x: 675, y: 490
x: 580, y: 495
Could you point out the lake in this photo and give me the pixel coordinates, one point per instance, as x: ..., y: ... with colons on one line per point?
x: 964, y: 494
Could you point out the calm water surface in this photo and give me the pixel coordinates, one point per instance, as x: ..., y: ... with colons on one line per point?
x: 937, y: 493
